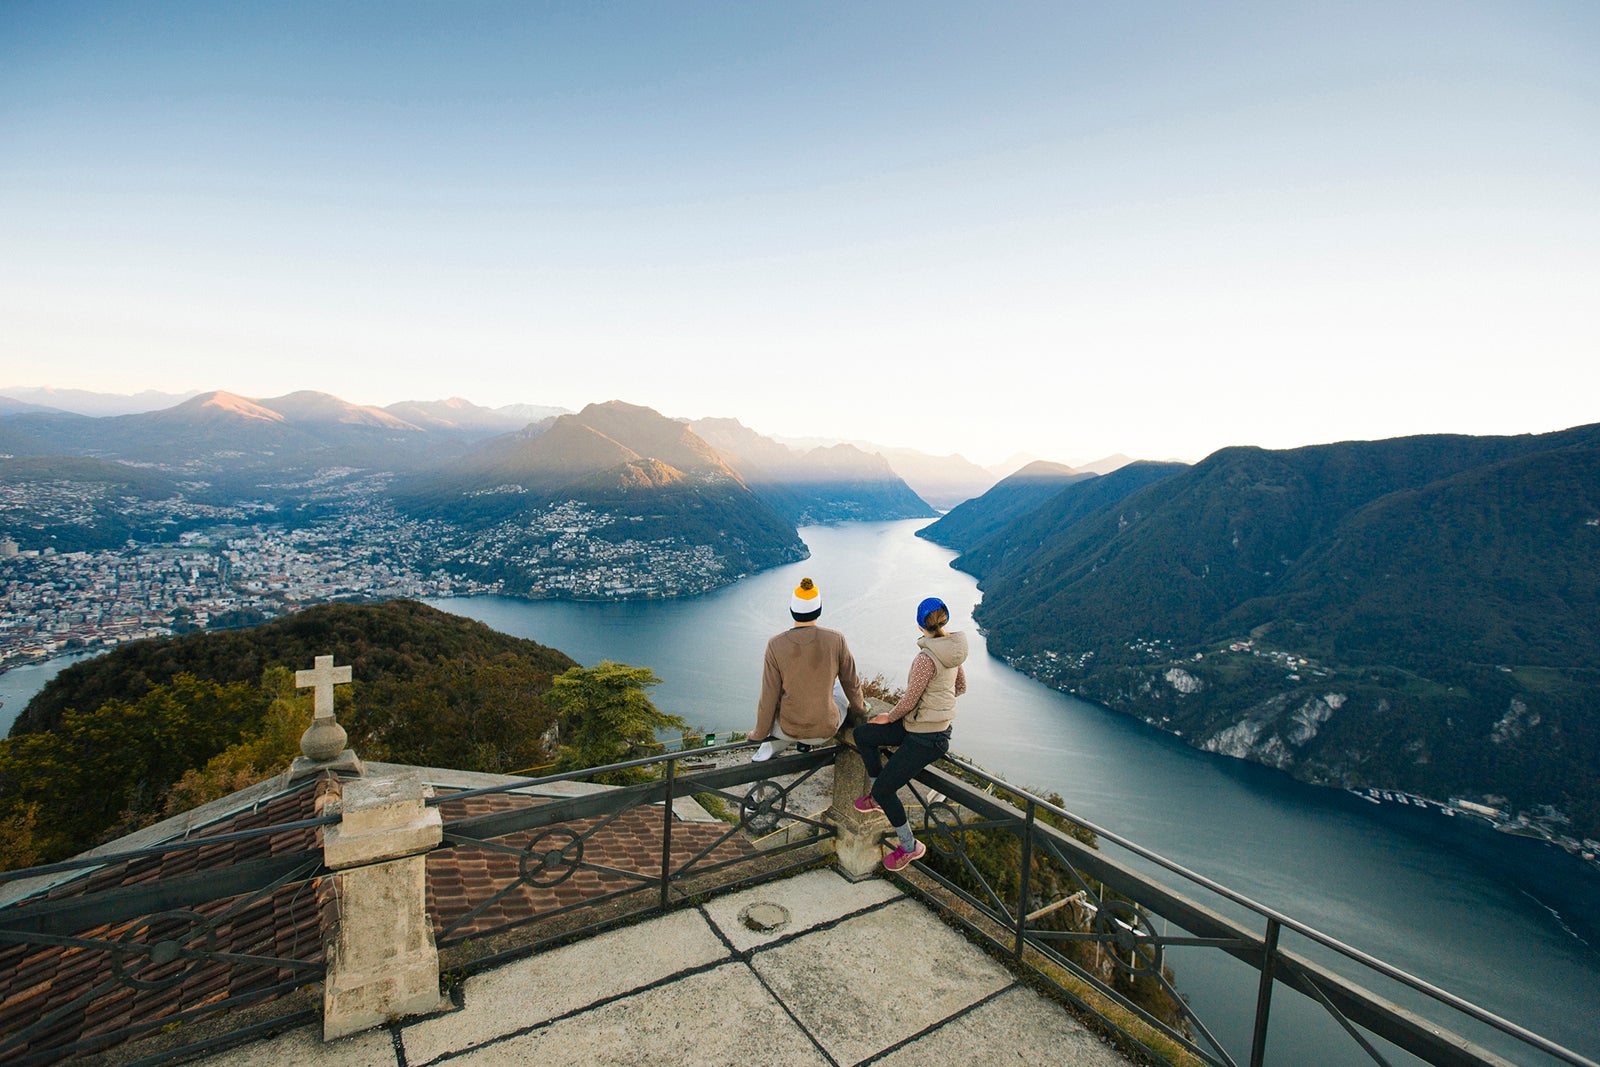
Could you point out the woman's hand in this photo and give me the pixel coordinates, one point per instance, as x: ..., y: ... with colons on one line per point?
x: 880, y: 720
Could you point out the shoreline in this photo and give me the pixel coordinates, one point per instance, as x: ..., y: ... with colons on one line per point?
x: 1515, y: 825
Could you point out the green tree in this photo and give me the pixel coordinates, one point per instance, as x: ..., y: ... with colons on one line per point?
x: 112, y: 766
x: 604, y: 716
x: 269, y: 748
x: 472, y: 713
x: 19, y: 847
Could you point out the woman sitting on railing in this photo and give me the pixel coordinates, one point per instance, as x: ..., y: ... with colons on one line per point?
x: 919, y: 725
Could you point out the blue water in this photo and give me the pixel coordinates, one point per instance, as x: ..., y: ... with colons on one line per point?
x: 1508, y: 924
x: 18, y: 685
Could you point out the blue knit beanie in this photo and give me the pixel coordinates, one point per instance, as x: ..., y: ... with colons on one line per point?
x: 928, y: 607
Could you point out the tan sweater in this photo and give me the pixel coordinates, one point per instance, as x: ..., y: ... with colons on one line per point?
x: 797, y: 677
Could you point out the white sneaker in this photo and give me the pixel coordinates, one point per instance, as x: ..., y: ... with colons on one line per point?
x: 767, y: 750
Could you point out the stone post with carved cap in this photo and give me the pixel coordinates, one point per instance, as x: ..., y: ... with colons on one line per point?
x: 382, y: 960
x: 858, y: 840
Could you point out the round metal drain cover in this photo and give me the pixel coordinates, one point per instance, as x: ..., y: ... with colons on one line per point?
x: 765, y: 917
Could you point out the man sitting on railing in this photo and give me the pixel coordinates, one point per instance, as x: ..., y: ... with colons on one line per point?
x: 797, y: 680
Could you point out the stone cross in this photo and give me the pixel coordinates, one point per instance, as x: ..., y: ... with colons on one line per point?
x: 321, y: 679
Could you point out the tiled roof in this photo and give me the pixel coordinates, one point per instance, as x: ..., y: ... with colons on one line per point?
x: 463, y: 877
x: 72, y: 993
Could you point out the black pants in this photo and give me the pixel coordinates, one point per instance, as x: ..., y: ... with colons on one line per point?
x: 915, y: 752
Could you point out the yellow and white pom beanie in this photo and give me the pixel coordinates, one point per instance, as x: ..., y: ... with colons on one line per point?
x: 807, y: 601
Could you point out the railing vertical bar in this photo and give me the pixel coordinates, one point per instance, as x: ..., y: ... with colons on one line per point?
x: 1023, y: 886
x: 1269, y: 960
x: 666, y: 832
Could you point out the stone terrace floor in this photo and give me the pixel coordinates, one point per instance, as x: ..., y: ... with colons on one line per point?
x: 847, y: 974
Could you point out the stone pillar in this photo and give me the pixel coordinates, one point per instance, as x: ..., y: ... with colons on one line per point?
x: 857, y: 848
x: 382, y: 962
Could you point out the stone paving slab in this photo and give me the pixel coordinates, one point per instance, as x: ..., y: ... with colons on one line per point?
x: 375, y: 1048
x: 809, y: 900
x: 1036, y: 1033
x: 877, y: 979
x: 718, y: 1018
x: 552, y: 983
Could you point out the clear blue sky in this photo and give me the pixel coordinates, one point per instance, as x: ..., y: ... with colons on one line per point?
x: 1065, y: 228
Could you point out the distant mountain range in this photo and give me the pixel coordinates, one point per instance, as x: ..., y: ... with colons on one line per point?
x: 945, y: 481
x: 1419, y: 613
x: 16, y: 399
x: 235, y: 440
x: 227, y: 435
x: 232, y: 439
x: 1015, y: 535
x: 85, y: 402
x: 821, y: 484
x: 713, y: 481
x: 638, y: 477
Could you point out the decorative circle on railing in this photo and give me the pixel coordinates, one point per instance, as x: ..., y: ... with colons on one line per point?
x: 946, y: 835
x: 1130, y: 937
x: 762, y: 807
x: 546, y: 864
x: 158, y: 942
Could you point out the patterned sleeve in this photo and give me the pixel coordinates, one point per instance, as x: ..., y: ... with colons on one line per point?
x: 921, y: 675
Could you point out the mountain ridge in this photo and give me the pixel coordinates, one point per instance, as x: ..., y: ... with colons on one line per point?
x: 1013, y: 496
x: 637, y: 475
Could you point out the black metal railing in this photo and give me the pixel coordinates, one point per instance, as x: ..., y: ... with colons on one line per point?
x: 1105, y: 941
x: 541, y: 846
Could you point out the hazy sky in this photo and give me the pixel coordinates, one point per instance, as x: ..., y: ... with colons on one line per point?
x: 1064, y: 228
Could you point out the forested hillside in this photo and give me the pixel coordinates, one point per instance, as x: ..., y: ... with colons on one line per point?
x: 1419, y: 613
x: 644, y: 477
x: 152, y: 727
x: 1012, y: 545
x: 1008, y: 500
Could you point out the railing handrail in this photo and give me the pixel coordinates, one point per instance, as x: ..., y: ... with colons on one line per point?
x: 77, y: 920
x: 977, y: 799
x: 590, y: 772
x: 108, y: 858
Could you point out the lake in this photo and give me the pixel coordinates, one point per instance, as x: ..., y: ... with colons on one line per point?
x: 18, y: 684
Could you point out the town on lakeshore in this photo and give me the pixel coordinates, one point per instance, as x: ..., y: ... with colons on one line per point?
x: 247, y: 562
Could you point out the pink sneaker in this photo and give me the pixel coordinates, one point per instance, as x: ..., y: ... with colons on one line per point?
x: 866, y: 804
x: 899, y: 858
